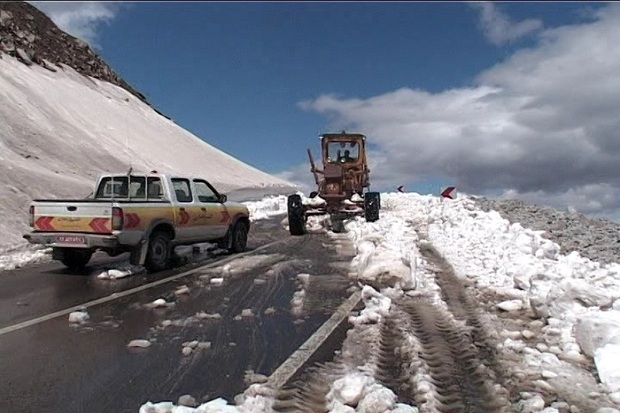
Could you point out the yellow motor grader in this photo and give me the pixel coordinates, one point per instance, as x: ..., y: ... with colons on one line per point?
x: 342, y: 184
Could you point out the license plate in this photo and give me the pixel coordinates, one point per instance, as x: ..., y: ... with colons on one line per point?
x: 70, y: 239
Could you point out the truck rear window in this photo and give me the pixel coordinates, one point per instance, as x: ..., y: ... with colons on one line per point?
x: 133, y: 187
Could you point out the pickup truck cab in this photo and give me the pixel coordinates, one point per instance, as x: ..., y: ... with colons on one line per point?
x: 144, y: 214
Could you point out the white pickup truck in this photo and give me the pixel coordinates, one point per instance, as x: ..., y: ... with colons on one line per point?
x: 144, y: 214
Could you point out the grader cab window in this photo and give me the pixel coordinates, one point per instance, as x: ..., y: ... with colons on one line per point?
x: 342, y: 152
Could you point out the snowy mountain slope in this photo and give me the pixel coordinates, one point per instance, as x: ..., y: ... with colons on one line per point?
x: 61, y: 129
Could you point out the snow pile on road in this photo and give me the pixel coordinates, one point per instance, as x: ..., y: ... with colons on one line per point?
x: 267, y: 207
x: 567, y: 304
x: 121, y: 271
x: 78, y: 317
x: 572, y: 295
x: 139, y: 343
x: 18, y: 256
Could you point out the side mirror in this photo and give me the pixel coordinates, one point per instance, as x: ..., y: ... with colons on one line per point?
x: 223, y: 198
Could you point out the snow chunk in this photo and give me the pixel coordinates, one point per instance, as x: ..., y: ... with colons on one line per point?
x: 596, y: 330
x: 607, y: 360
x: 376, y: 306
x: 510, y: 306
x: 350, y: 389
x: 181, y: 290
x: 532, y: 405
x: 187, y: 350
x: 162, y: 407
x: 78, y: 317
x: 203, y: 315
x: 160, y: 302
x: 585, y: 293
x: 356, y: 198
x: 316, y: 201
x: 378, y: 400
x: 139, y: 343
x: 121, y: 272
x: 187, y: 400
x: 548, y: 374
x: 217, y: 406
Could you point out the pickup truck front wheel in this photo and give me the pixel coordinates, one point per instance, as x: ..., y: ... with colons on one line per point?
x: 158, y: 256
x: 239, y: 237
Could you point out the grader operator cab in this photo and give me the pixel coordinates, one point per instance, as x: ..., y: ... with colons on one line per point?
x: 342, y: 184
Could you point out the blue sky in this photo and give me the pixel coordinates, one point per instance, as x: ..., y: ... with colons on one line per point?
x: 261, y: 81
x: 233, y: 73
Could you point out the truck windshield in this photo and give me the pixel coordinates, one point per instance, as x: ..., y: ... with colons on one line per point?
x: 342, y: 152
x: 133, y: 187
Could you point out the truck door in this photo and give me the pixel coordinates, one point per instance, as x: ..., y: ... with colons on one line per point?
x: 214, y: 217
x: 186, y: 211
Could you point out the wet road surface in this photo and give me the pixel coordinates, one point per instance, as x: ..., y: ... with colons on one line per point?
x: 55, y: 366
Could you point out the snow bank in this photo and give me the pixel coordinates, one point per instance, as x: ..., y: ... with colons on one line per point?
x: 267, y: 207
x: 598, y: 335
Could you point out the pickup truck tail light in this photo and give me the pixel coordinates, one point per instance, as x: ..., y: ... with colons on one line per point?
x: 31, y: 216
x: 117, y: 219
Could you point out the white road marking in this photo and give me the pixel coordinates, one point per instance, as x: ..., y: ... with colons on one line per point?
x: 288, y: 369
x: 115, y: 296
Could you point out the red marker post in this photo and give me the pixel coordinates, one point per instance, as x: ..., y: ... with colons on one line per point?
x: 449, y: 192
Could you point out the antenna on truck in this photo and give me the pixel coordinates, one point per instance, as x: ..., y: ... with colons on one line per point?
x: 127, y: 142
x: 128, y: 155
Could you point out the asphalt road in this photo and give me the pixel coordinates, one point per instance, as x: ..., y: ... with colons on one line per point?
x: 51, y: 365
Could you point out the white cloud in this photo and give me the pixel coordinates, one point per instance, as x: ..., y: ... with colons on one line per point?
x: 544, y: 122
x: 497, y: 27
x: 80, y: 19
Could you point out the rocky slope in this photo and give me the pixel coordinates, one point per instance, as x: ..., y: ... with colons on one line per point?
x: 594, y: 238
x: 29, y: 35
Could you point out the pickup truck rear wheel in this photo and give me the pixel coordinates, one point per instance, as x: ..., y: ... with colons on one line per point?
x: 75, y: 259
x: 158, y: 256
x: 239, y: 237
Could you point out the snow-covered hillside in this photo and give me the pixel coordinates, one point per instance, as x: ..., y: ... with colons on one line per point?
x: 59, y: 130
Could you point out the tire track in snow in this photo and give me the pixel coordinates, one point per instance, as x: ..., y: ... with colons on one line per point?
x: 438, y: 359
x: 462, y: 307
x: 308, y: 395
x: 462, y: 382
x: 395, y: 366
